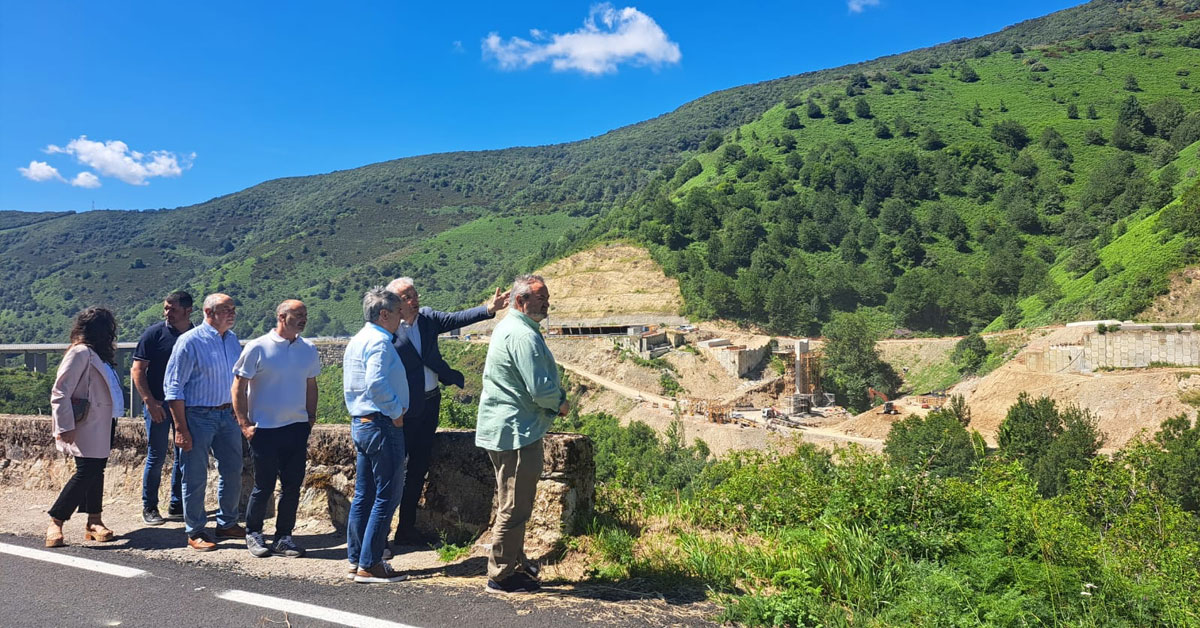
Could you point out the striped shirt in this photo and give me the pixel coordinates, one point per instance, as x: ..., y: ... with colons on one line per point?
x: 200, y: 371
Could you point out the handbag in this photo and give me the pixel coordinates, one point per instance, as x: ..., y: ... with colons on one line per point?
x: 80, y: 405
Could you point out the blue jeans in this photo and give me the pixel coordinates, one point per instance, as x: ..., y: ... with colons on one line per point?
x: 211, y: 429
x: 158, y: 437
x: 378, y: 485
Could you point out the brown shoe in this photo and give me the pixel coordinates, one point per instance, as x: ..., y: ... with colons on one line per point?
x: 200, y: 543
x: 98, y: 532
x: 54, y: 536
x: 234, y: 531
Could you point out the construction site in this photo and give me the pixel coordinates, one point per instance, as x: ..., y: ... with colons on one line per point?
x: 614, y: 325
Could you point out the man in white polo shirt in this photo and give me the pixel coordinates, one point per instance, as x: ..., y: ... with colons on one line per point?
x: 275, y: 402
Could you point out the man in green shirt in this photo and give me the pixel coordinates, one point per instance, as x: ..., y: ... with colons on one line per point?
x: 521, y: 396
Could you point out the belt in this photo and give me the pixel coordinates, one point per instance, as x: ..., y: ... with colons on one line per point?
x: 224, y: 406
x: 371, y: 416
x: 429, y: 394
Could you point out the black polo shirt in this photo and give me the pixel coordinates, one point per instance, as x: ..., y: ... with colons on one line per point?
x: 155, y: 347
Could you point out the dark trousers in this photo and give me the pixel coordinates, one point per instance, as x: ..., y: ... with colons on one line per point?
x: 418, y: 441
x: 85, y: 489
x: 281, y: 453
x: 160, y: 438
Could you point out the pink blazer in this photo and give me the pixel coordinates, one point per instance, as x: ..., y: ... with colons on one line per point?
x: 82, y: 368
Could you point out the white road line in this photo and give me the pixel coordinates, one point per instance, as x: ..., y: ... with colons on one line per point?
x: 72, y: 561
x: 308, y: 610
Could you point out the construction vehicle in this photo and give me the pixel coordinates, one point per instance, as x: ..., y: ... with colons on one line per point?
x: 888, y: 406
x: 770, y: 413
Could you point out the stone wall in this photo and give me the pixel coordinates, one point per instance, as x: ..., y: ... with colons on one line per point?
x: 458, y: 498
x: 331, y: 350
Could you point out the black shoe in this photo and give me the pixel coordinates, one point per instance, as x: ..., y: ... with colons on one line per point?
x: 174, y: 513
x: 409, y: 538
x: 516, y: 583
x: 151, y: 517
x: 529, y: 567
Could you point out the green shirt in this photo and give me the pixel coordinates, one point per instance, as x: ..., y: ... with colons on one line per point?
x: 521, y: 394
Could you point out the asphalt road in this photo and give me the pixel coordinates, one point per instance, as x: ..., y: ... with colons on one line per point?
x: 38, y: 589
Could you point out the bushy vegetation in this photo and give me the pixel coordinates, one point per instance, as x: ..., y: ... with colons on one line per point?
x: 932, y: 533
x: 24, y: 392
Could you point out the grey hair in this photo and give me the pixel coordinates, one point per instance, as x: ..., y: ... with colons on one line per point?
x: 213, y: 300
x: 376, y: 300
x: 288, y: 305
x: 523, y: 285
x: 399, y: 283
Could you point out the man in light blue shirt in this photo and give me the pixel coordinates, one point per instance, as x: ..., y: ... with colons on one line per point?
x: 376, y: 392
x: 197, y: 386
x: 521, y: 396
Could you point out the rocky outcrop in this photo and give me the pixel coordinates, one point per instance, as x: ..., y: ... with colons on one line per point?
x: 458, y: 498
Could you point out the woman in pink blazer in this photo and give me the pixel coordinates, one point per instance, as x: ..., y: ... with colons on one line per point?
x: 87, y: 372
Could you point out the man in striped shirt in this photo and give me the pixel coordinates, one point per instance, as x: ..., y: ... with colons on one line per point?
x: 197, y: 385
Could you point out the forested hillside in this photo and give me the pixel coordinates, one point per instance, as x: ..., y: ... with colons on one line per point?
x: 1013, y: 186
x: 978, y: 181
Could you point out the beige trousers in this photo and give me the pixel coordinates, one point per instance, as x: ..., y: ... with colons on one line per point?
x: 517, y: 474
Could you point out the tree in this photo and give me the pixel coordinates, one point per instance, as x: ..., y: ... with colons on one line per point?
x: 1166, y: 115
x: 713, y: 142
x: 1072, y: 112
x: 930, y: 139
x: 839, y: 115
x: 1047, y: 442
x: 881, y: 130
x: 791, y: 121
x: 1131, y: 83
x: 1091, y: 113
x: 966, y: 73
x: 1128, y: 139
x: 862, y: 109
x: 936, y: 443
x: 969, y: 353
x: 1176, y: 464
x: 1011, y: 134
x: 1133, y: 116
x: 814, y: 110
x: 852, y: 364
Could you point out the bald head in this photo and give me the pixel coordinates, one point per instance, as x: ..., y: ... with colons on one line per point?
x: 292, y: 317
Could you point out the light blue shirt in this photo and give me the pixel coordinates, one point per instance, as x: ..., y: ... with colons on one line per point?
x: 200, y: 371
x: 521, y: 394
x: 373, y: 378
x: 114, y: 390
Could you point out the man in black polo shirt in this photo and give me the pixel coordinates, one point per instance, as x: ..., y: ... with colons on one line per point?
x: 149, y: 366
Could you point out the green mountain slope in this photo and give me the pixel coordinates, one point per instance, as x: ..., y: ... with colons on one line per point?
x: 984, y: 191
x: 325, y: 238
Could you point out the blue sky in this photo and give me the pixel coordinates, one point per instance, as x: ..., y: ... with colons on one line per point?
x: 141, y: 105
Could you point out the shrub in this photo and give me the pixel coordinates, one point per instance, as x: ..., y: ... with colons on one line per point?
x: 1048, y: 442
x: 936, y: 443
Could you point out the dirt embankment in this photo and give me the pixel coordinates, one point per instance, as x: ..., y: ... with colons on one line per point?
x: 1124, y: 402
x: 1181, y: 303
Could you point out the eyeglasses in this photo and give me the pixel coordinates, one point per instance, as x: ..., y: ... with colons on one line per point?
x: 225, y: 309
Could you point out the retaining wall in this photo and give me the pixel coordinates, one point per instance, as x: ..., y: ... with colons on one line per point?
x: 458, y: 498
x: 1133, y: 346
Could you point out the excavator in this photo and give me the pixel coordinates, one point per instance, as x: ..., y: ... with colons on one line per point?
x: 888, y: 406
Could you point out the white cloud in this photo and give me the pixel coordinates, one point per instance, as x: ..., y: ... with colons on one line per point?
x: 114, y: 159
x: 609, y: 37
x: 857, y: 6
x: 40, y: 171
x: 86, y: 179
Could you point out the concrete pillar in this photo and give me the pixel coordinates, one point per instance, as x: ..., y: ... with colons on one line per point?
x: 35, y: 361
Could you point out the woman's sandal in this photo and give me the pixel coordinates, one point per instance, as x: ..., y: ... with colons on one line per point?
x: 54, y: 536
x: 97, y: 532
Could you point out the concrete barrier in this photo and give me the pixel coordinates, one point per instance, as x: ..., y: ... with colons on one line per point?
x: 458, y: 498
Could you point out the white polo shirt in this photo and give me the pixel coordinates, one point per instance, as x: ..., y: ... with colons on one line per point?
x: 278, y: 370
